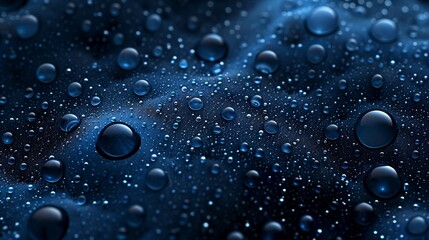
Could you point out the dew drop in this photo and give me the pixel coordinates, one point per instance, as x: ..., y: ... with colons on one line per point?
x: 212, y: 48
x: 74, y: 89
x: 376, y: 129
x: 128, y: 58
x: 229, y: 113
x: 117, y: 141
x: 141, y: 88
x: 46, y: 73
x: 195, y: 104
x: 364, y: 214
x: 52, y: 171
x: 69, y: 122
x: 384, y: 31
x: 267, y: 62
x: 156, y: 179
x: 322, y: 21
x: 27, y: 26
x: 48, y: 223
x: 417, y: 225
x: 383, y: 182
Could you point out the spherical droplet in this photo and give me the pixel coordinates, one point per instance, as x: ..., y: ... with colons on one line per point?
x: 384, y: 31
x: 306, y: 223
x: 7, y: 138
x: 272, y: 231
x: 376, y: 129
x: 46, y: 73
x: 153, y: 22
x: 377, y: 81
x: 235, y: 235
x: 212, y: 48
x: 251, y: 179
x: 117, y: 141
x: 332, y: 132
x: 322, y: 21
x: 316, y: 54
x: 27, y: 26
x: 95, y: 101
x: 69, y: 122
x: 136, y: 215
x: 271, y: 127
x: 74, y: 89
x: 156, y: 179
x: 287, y: 148
x: 229, y: 113
x: 364, y: 214
x: 256, y: 101
x: 195, y: 104
x: 128, y: 58
x: 48, y: 223
x: 383, y: 182
x: 417, y: 225
x: 52, y: 171
x: 141, y: 88
x: 267, y: 62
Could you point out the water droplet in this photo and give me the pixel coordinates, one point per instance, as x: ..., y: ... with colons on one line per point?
x: 212, y: 48
x: 332, y: 132
x: 95, y: 101
x: 27, y: 26
x: 69, y: 122
x: 272, y: 231
x: 417, y: 225
x: 256, y: 101
x: 74, y: 89
x: 383, y: 182
x: 376, y: 129
x: 52, y: 171
x: 252, y: 179
x: 271, y: 127
x: 377, y: 81
x: 306, y: 223
x: 322, y: 21
x: 117, y: 141
x: 7, y: 138
x: 136, y: 216
x: 48, y: 223
x: 195, y: 104
x: 141, y: 88
x: 287, y: 148
x: 229, y: 114
x: 384, y: 31
x: 46, y: 73
x: 236, y: 235
x: 364, y: 214
x: 153, y: 22
x: 316, y: 54
x: 267, y: 62
x: 156, y: 179
x: 128, y: 58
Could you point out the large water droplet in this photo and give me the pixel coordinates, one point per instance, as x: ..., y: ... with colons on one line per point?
x: 376, y: 129
x: 267, y: 62
x: 195, y: 104
x: 117, y: 141
x: 364, y: 214
x: 322, y: 21
x: 27, y: 26
x: 235, y: 235
x: 156, y: 179
x: 136, y: 216
x: 46, y: 73
x: 74, y: 89
x: 141, y: 88
x: 383, y: 182
x: 48, y: 223
x: 7, y: 138
x: 212, y: 48
x: 52, y: 171
x: 229, y: 114
x: 332, y: 132
x: 272, y: 231
x: 69, y: 122
x: 316, y: 54
x: 384, y: 31
x: 251, y: 179
x: 417, y: 225
x: 271, y: 127
x: 153, y: 22
x: 306, y: 223
x: 128, y: 58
